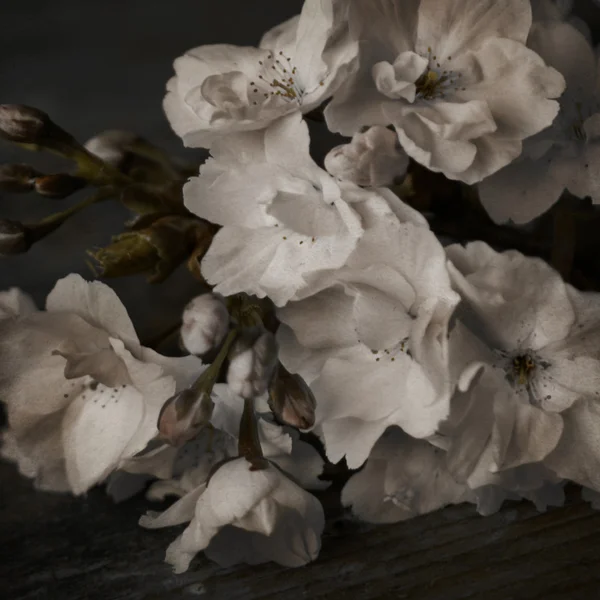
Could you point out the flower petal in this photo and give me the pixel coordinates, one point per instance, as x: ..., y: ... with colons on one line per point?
x: 402, y: 478
x: 179, y: 512
x: 523, y: 190
x: 517, y: 301
x: 95, y: 302
x: 96, y: 429
x: 457, y: 26
x: 577, y: 455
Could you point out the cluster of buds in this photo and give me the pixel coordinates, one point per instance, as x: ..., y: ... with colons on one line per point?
x: 253, y: 371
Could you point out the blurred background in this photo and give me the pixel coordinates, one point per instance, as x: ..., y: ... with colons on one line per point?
x: 103, y: 64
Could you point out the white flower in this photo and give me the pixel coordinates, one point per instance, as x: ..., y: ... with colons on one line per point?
x: 220, y: 89
x: 252, y: 517
x: 252, y: 362
x: 536, y: 339
x: 454, y: 78
x: 372, y: 344
x: 373, y: 158
x: 205, y: 323
x: 494, y: 441
x: 284, y: 219
x: 81, y: 393
x: 567, y: 154
x: 402, y: 478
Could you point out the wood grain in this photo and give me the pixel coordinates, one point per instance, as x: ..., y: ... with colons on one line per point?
x: 56, y: 546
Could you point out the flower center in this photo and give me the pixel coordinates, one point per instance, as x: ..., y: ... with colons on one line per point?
x: 279, y: 77
x: 435, y: 81
x: 523, y: 366
x: 390, y: 354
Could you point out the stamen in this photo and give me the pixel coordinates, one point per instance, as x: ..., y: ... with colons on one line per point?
x: 523, y: 367
x: 281, y: 78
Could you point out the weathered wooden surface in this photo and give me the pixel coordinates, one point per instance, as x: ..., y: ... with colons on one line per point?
x: 59, y: 547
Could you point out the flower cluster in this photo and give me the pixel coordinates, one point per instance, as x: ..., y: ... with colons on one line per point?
x: 439, y: 372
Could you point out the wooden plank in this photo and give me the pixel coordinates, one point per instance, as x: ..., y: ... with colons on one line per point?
x: 57, y: 546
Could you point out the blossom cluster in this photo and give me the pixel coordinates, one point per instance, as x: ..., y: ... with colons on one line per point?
x: 440, y: 374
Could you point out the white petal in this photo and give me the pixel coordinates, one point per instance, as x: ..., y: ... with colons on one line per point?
x: 281, y: 35
x: 457, y: 26
x: 577, y: 456
x: 32, y: 377
x: 297, y: 358
x: 97, y: 427
x: 373, y: 158
x: 522, y: 433
x: 155, y: 388
x: 566, y: 49
x: 179, y: 512
x: 321, y: 321
x: 293, y: 541
x: 518, y: 301
x: 523, y: 190
x: 402, y: 478
x: 95, y: 302
x: 304, y: 463
x: 184, y: 369
x: 528, y: 109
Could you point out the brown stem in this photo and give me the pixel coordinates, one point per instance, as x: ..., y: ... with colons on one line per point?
x: 248, y: 440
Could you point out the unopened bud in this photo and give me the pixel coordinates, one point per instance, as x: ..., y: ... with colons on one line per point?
x: 16, y: 179
x: 129, y: 253
x: 112, y: 146
x: 373, y: 158
x: 184, y: 415
x: 134, y: 156
x: 59, y: 185
x: 252, y: 362
x: 14, y: 237
x: 157, y: 250
x: 205, y: 324
x: 291, y: 400
x: 28, y: 125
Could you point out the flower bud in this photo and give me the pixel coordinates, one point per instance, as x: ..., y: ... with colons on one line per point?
x: 112, y: 146
x: 373, y: 158
x: 14, y: 237
x: 16, y: 179
x: 129, y: 253
x: 26, y: 125
x: 59, y: 185
x: 291, y: 400
x: 157, y: 249
x: 205, y: 324
x: 184, y: 415
x: 252, y: 362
